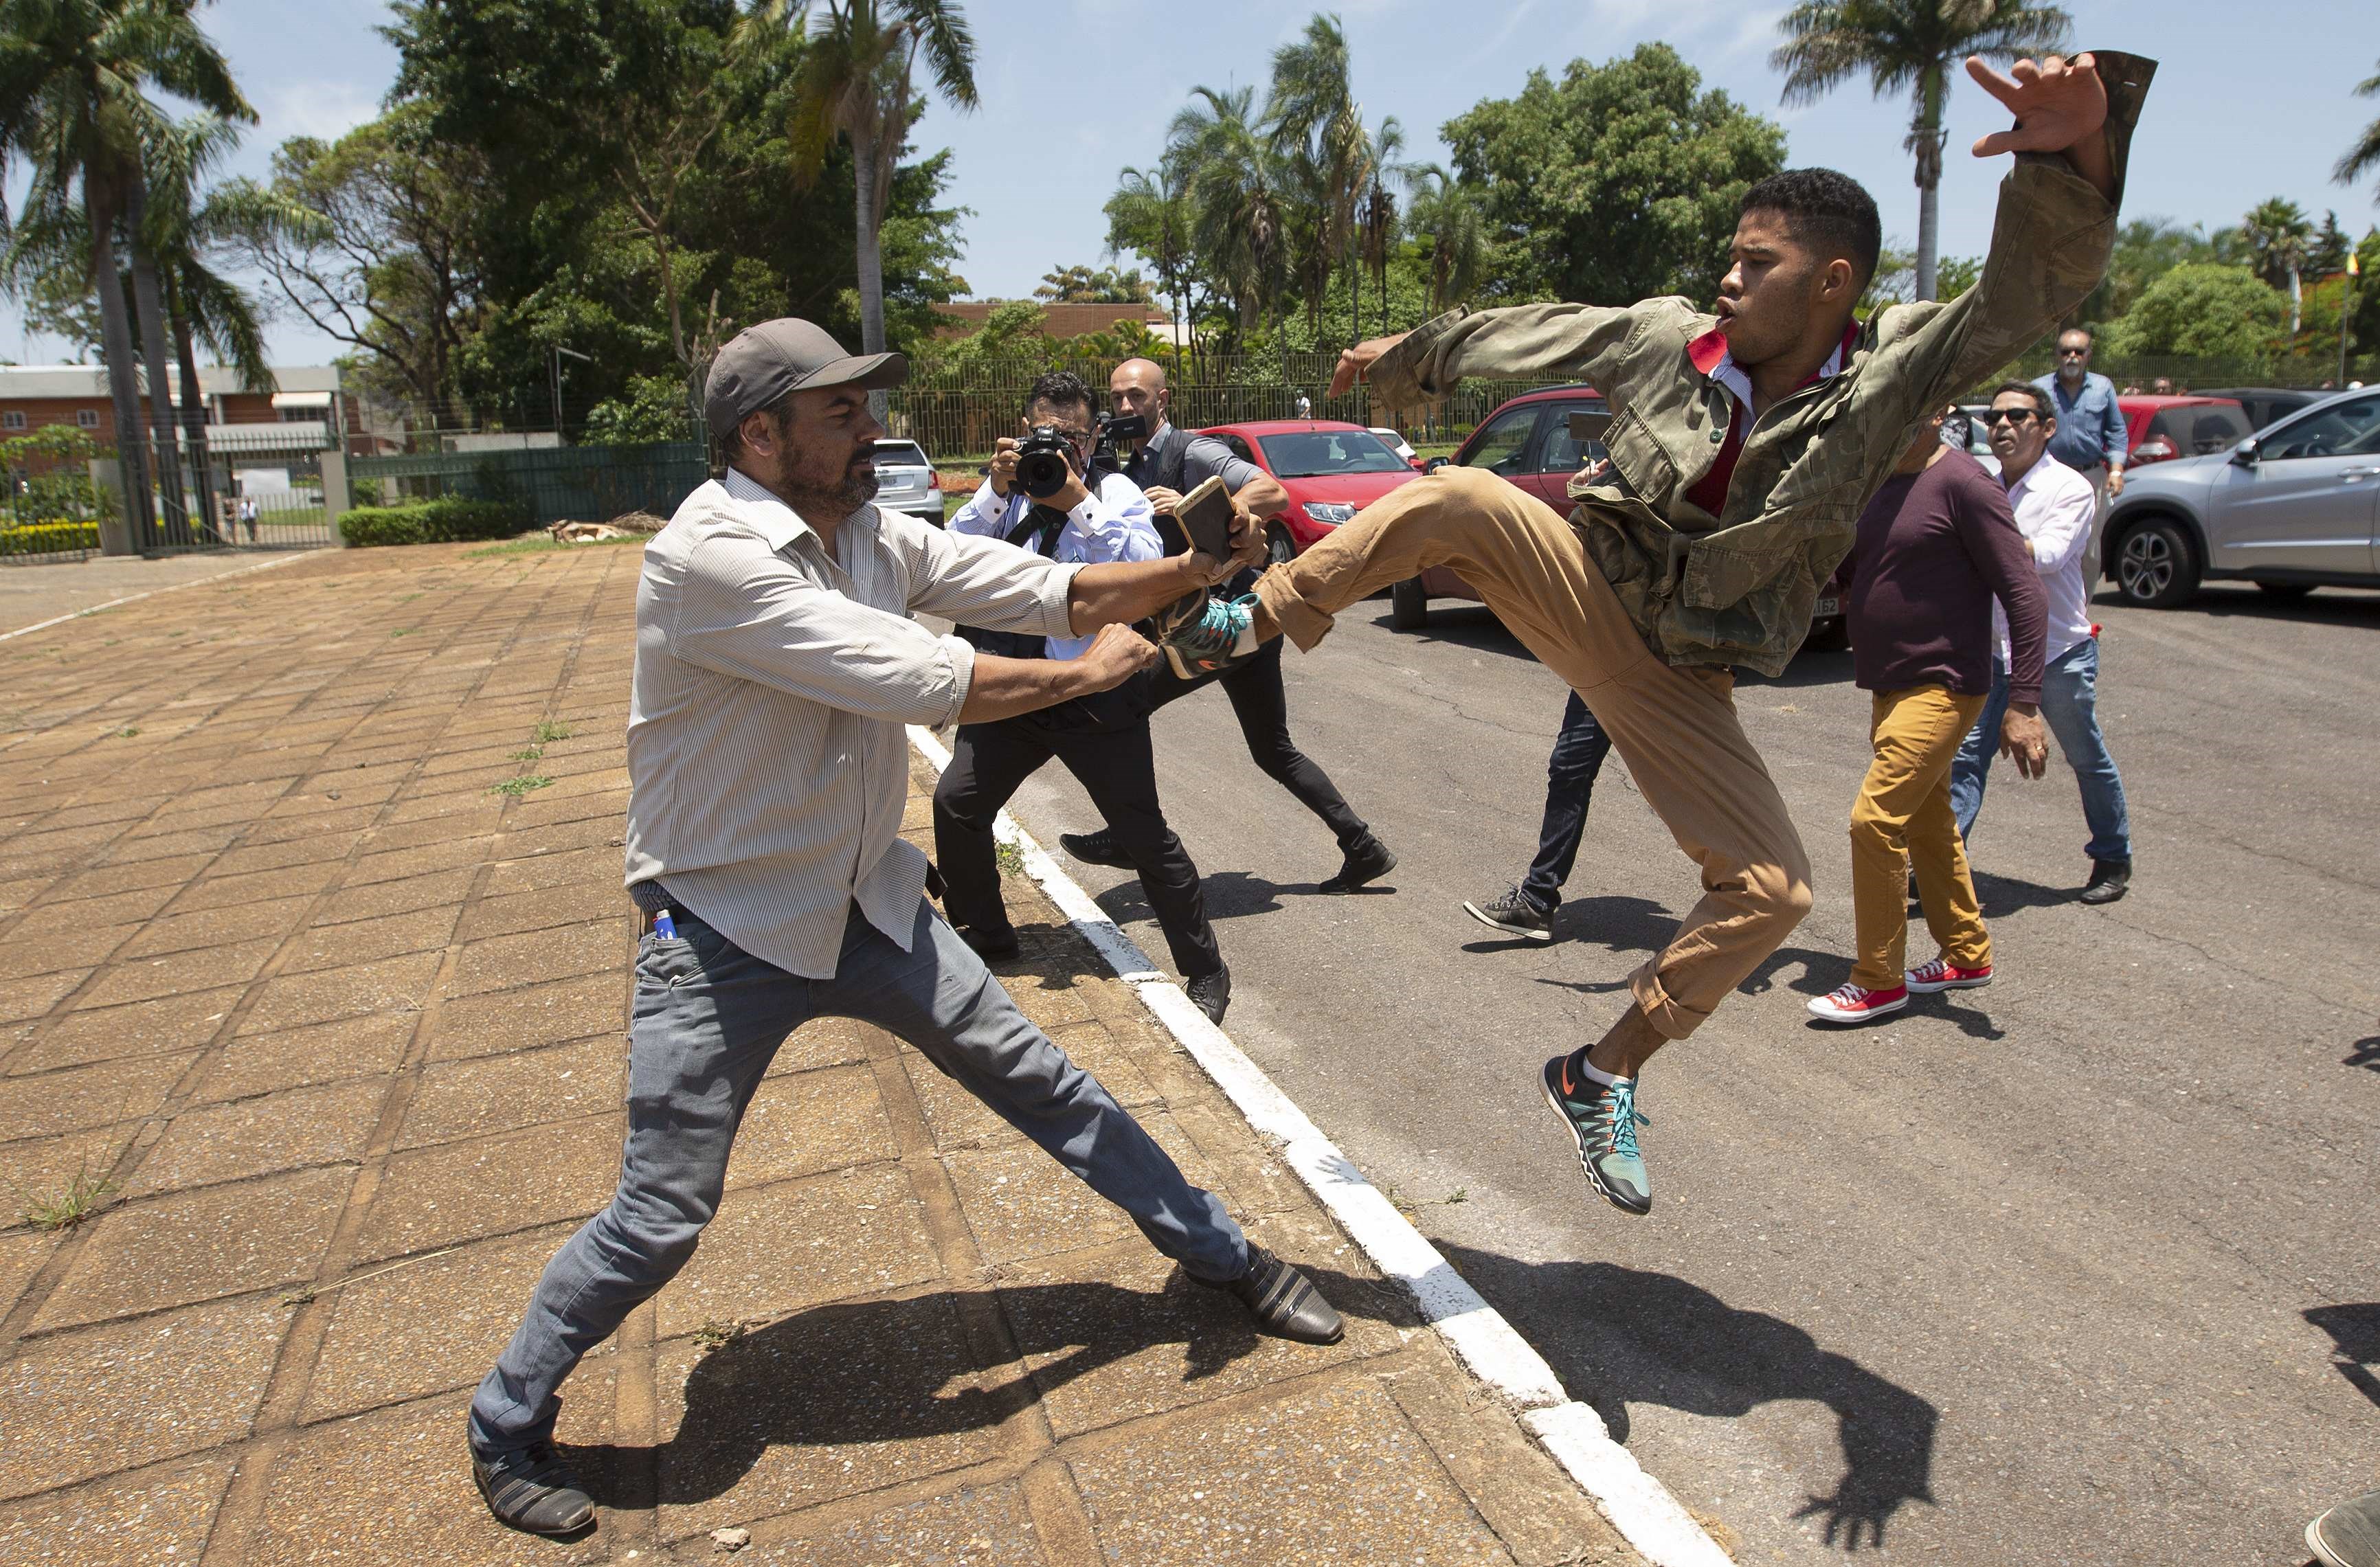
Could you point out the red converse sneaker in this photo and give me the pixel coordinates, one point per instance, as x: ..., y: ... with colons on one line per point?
x: 1856, y: 1004
x: 1939, y: 975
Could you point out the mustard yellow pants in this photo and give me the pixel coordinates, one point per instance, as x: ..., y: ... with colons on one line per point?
x: 1902, y: 820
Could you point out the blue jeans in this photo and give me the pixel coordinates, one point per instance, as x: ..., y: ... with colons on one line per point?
x: 1570, y: 771
x: 2070, y: 702
x: 709, y: 1017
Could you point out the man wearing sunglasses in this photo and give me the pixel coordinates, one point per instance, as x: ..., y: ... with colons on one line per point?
x: 2092, y: 438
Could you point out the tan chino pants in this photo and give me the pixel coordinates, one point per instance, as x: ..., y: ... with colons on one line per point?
x: 1674, y: 726
x: 1902, y: 820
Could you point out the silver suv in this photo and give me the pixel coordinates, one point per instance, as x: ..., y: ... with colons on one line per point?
x: 2293, y: 507
x: 904, y: 481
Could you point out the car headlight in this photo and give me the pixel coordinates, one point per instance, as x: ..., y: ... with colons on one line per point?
x: 1329, y: 514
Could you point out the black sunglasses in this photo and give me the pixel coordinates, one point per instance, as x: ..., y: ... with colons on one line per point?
x: 2014, y: 416
x: 2073, y: 353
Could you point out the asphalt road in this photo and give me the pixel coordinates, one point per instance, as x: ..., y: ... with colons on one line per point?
x: 2072, y: 1269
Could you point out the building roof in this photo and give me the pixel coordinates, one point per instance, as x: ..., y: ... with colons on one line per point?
x: 1065, y: 321
x: 90, y: 381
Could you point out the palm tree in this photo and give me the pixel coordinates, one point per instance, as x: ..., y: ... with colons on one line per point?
x: 1315, y: 129
x: 1909, y: 45
x: 1237, y: 205
x: 1449, y: 213
x: 2280, y: 236
x: 1151, y: 213
x: 74, y: 106
x: 1376, y: 221
x: 2365, y: 154
x: 854, y: 81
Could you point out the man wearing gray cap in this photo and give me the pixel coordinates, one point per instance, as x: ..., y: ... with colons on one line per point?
x: 776, y: 664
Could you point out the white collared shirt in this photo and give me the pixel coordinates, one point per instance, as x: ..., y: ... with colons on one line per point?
x: 768, y: 766
x: 2054, y: 507
x: 1114, y: 522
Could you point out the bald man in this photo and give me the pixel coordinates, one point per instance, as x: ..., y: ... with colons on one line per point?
x: 1166, y: 465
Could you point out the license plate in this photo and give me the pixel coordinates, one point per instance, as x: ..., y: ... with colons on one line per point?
x: 1827, y: 607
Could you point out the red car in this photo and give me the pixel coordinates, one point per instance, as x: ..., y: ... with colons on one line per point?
x: 1529, y: 441
x: 2161, y: 427
x: 1331, y: 469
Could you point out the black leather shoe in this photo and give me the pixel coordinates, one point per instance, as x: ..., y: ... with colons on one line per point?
x: 1284, y: 1302
x: 993, y: 946
x: 533, y: 1490
x: 1210, y: 992
x: 2111, y: 880
x: 1367, y: 861
x: 1094, y: 848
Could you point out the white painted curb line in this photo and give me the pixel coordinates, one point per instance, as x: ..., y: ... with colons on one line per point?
x: 170, y: 587
x: 1639, y: 1506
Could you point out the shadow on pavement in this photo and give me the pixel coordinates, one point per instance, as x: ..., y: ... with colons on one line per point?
x: 1619, y: 1336
x: 2355, y: 1339
x: 2328, y: 607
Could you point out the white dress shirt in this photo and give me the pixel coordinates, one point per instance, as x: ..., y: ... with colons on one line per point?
x: 2054, y: 507
x: 1114, y: 523
x: 768, y: 767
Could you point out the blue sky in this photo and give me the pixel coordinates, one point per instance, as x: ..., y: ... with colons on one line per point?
x: 2251, y: 101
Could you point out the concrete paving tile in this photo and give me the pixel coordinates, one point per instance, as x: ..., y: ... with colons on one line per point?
x: 282, y: 1131
x: 22, y: 1252
x: 257, y: 886
x: 549, y: 808
x: 1328, y: 1472
x: 826, y: 1041
x: 1052, y: 1000
x: 354, y: 1047
x: 196, y: 840
x: 80, y: 1404
x: 108, y: 880
x: 45, y: 1104
x: 362, y: 940
x: 826, y: 1403
x: 462, y: 1099
x: 306, y: 849
x: 571, y: 904
x: 17, y: 894
x: 1021, y: 1203
x: 532, y: 958
x: 405, y: 1493
x: 396, y: 864
x: 538, y: 1014
x: 159, y: 1515
x: 195, y: 1246
x: 169, y: 1023
x: 291, y: 1001
x: 207, y: 927
x: 988, y: 1528
x: 471, y: 805
x: 79, y: 919
x: 774, y: 1249
x: 36, y: 993
x: 814, y: 1121
x: 531, y: 873
x: 173, y: 974
x: 347, y: 823
x: 481, y: 820
x: 445, y: 887
x: 596, y: 832
x: 450, y: 1192
x: 37, y: 1170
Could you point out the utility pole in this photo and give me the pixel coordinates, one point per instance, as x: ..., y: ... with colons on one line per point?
x: 554, y: 357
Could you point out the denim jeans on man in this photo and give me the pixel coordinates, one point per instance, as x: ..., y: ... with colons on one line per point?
x: 2070, y: 702
x: 1570, y: 771
x: 709, y: 1016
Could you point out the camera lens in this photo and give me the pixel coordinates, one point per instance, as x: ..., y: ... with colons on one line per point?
x: 1042, y: 474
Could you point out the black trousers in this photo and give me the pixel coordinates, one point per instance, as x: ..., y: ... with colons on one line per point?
x: 1261, y: 705
x: 1115, y: 768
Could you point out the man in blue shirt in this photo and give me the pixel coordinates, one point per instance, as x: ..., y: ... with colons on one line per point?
x: 2092, y: 438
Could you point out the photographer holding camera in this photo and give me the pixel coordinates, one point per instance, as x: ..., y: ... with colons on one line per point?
x: 1052, y: 492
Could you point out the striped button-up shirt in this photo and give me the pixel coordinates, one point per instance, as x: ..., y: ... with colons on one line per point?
x: 767, y: 763
x: 1115, y: 523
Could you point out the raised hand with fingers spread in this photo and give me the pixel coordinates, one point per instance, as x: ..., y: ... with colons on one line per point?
x: 2060, y: 107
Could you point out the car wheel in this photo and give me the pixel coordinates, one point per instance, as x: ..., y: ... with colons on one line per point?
x: 2285, y: 592
x: 1408, y: 605
x: 1280, y: 548
x: 1830, y: 635
x: 2157, y: 565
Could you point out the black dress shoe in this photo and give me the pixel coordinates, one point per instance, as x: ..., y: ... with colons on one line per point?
x: 1367, y: 861
x: 993, y: 946
x: 1094, y: 848
x: 1212, y: 993
x: 1284, y: 1302
x: 532, y: 1490
x: 2111, y: 880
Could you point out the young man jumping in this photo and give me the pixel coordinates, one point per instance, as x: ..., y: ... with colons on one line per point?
x: 1743, y: 445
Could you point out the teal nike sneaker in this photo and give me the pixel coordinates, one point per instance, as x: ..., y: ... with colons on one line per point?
x: 1603, y: 1121
x: 1225, y: 635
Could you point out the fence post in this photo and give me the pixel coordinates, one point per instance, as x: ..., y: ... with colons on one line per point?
x: 107, y: 478
x: 335, y: 491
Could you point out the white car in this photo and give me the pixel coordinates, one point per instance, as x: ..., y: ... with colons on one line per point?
x: 2294, y: 507
x: 1395, y: 442
x: 905, y: 481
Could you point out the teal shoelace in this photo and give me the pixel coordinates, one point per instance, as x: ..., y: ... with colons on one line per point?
x: 1621, y: 1114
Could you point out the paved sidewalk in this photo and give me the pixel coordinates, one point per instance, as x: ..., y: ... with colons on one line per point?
x: 30, y: 594
x: 344, y: 1028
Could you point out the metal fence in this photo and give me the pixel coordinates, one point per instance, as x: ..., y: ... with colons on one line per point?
x: 555, y: 483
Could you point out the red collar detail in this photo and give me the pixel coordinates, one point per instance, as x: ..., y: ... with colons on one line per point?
x: 1707, y: 351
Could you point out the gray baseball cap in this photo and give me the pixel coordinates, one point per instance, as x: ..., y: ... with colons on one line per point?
x: 761, y: 364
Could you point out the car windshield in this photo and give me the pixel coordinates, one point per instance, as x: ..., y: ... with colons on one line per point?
x: 1320, y: 453
x: 2198, y: 430
x: 900, y: 454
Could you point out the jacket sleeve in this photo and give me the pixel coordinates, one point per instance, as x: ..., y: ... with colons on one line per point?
x: 2050, y: 244
x: 1577, y: 341
x: 986, y: 583
x: 1987, y: 527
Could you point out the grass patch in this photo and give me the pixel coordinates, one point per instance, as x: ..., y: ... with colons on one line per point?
x: 715, y: 1334
x: 521, y: 785
x: 125, y: 733
x: 1010, y: 859
x: 404, y: 631
x: 548, y: 732
x: 77, y: 1200
x: 530, y: 755
x: 541, y: 545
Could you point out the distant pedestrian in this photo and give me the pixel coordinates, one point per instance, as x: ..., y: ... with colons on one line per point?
x: 2053, y: 507
x: 2092, y: 438
x: 1527, y: 909
x: 1305, y: 405
x: 1936, y: 546
x: 248, y: 516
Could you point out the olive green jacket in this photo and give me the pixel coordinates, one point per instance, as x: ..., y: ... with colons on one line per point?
x: 1739, y: 587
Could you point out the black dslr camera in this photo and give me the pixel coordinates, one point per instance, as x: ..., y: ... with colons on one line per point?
x: 1045, y: 455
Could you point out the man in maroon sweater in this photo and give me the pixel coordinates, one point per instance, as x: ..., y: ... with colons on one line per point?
x: 1936, y: 545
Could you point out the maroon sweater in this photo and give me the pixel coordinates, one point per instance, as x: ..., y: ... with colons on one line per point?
x: 1933, y: 548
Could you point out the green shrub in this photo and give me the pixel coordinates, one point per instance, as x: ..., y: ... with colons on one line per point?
x: 46, y: 538
x: 450, y: 520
